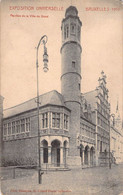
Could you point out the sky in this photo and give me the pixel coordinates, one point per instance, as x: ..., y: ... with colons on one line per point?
x: 101, y: 41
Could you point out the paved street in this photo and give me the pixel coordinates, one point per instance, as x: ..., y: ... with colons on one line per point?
x: 95, y: 181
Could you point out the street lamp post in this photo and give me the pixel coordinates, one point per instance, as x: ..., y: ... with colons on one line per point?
x: 43, y: 41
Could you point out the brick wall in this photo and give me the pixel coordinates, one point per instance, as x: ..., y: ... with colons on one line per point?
x: 22, y: 151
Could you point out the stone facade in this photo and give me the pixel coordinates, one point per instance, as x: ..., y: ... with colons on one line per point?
x: 101, y: 116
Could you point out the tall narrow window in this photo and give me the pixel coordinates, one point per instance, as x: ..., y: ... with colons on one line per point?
x: 85, y: 105
x: 45, y: 120
x: 5, y: 129
x: 22, y: 125
x: 13, y: 127
x: 100, y: 146
x: 73, y: 28
x: 27, y: 124
x: 9, y: 128
x: 56, y: 120
x: 65, y: 121
x: 18, y: 126
x: 45, y: 151
x: 45, y: 155
x: 66, y: 31
x: 73, y: 64
x: 65, y: 34
x: 79, y: 86
x: 78, y: 33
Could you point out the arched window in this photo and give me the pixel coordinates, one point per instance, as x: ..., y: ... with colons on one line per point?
x: 66, y: 31
x: 73, y: 28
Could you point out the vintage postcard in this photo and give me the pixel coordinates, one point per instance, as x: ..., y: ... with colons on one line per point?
x: 61, y: 101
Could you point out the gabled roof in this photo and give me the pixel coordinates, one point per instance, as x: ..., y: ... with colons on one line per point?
x: 52, y: 98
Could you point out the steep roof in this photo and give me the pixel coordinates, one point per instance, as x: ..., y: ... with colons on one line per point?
x: 91, y: 98
x: 52, y: 98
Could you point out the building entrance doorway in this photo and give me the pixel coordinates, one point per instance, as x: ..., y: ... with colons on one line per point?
x: 92, y: 156
x: 58, y: 156
x: 55, y: 153
x: 45, y: 151
x: 86, y: 155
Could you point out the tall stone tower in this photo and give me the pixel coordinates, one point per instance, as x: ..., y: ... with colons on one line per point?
x: 71, y: 76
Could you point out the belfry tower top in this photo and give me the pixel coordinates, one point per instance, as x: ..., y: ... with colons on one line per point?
x: 71, y: 11
x: 71, y: 26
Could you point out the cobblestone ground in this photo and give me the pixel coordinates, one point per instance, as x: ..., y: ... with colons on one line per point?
x: 91, y: 181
